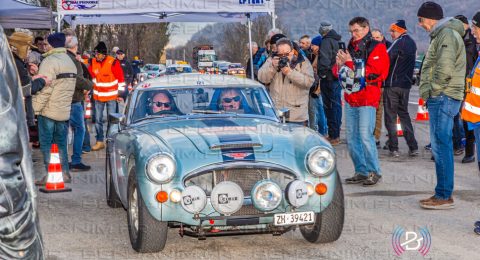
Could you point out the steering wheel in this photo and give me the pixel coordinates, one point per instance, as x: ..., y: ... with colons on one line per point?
x: 167, y: 112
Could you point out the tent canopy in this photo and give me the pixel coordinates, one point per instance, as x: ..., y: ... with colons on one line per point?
x: 15, y: 14
x: 154, y: 11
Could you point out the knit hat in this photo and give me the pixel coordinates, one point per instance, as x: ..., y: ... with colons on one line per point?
x: 120, y: 52
x: 21, y: 41
x: 476, y: 19
x: 430, y: 10
x: 399, y: 26
x: 56, y: 40
x: 101, y: 48
x: 317, y: 40
x: 325, y: 27
x: 276, y: 37
x: 462, y: 18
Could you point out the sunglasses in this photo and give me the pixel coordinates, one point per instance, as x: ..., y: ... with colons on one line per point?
x: 229, y: 100
x: 420, y: 19
x: 161, y: 104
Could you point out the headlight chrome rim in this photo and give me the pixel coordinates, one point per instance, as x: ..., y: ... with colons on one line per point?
x: 316, y: 151
x: 168, y: 161
x: 255, y: 199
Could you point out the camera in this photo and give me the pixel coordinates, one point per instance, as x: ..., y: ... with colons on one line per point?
x: 282, y: 63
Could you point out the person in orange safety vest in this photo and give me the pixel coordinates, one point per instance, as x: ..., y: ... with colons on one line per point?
x: 471, y: 105
x: 108, y: 78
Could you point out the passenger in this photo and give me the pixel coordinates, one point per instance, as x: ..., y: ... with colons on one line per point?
x: 230, y: 99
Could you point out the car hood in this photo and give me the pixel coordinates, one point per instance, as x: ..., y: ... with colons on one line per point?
x: 213, y: 136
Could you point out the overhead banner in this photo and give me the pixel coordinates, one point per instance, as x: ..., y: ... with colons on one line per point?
x: 110, y: 7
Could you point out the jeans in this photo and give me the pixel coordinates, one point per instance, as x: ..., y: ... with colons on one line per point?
x: 332, y: 104
x: 442, y: 110
x: 53, y: 132
x: 112, y: 107
x: 86, y: 138
x: 77, y: 122
x: 476, y: 132
x: 360, y: 140
x: 458, y: 132
x: 395, y: 100
x: 316, y: 115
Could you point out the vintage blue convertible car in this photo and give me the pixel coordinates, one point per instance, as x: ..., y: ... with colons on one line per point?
x: 210, y: 155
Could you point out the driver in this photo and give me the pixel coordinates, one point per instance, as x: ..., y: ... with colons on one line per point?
x: 161, y: 102
x: 230, y: 99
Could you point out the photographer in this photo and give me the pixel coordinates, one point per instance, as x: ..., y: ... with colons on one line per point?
x: 290, y: 77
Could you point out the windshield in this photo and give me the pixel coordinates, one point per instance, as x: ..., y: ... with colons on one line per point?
x: 211, y: 101
x: 152, y: 67
x: 177, y: 70
x: 235, y: 66
x: 207, y: 57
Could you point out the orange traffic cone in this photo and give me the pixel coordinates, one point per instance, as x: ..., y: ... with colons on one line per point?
x: 399, y: 127
x: 55, y: 177
x: 88, y: 109
x: 422, y: 114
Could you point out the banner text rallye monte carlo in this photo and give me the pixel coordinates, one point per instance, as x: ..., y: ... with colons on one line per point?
x: 208, y: 154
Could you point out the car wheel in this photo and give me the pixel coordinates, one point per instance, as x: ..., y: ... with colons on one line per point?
x: 113, y: 201
x: 328, y: 224
x: 147, y: 235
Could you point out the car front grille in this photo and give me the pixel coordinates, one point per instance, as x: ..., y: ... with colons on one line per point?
x: 246, y: 178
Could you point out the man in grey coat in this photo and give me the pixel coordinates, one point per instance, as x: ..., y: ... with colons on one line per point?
x: 289, y: 82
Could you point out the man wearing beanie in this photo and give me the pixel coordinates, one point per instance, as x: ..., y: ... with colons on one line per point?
x: 470, y: 112
x: 397, y: 87
x: 53, y: 104
x: 329, y: 85
x: 472, y: 55
x: 442, y: 84
x: 108, y: 79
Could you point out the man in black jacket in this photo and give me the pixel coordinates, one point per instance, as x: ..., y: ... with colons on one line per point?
x: 330, y: 87
x: 127, y: 73
x: 402, y: 55
x: 472, y: 55
x: 77, y: 113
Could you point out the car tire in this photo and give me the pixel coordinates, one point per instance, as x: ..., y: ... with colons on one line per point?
x: 148, y: 235
x: 113, y: 201
x: 328, y: 224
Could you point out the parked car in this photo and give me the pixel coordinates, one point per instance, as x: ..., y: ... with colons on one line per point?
x: 151, y: 71
x: 223, y: 67
x: 178, y: 69
x: 236, y: 69
x: 210, y: 155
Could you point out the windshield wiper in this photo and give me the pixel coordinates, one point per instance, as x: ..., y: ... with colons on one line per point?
x: 157, y: 116
x: 199, y: 111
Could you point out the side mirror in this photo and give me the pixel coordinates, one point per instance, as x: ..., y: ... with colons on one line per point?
x: 116, y: 118
x: 284, y: 114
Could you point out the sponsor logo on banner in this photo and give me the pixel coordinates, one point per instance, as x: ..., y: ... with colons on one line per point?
x: 252, y: 2
x: 79, y: 4
x: 412, y: 241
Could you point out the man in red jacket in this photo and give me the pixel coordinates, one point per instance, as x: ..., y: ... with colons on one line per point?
x: 361, y: 69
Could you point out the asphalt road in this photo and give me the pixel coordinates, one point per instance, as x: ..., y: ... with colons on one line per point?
x: 80, y: 225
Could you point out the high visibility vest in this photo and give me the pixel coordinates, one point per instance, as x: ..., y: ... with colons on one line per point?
x: 106, y: 85
x: 471, y: 106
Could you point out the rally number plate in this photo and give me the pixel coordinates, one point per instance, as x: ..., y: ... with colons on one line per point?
x: 296, y: 218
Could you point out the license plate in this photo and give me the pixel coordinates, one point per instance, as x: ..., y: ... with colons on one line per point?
x: 296, y: 218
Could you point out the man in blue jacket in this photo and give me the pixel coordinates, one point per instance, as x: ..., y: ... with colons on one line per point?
x: 402, y: 55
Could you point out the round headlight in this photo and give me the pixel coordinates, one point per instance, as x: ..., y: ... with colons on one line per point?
x: 321, y: 162
x: 266, y: 195
x: 161, y: 168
